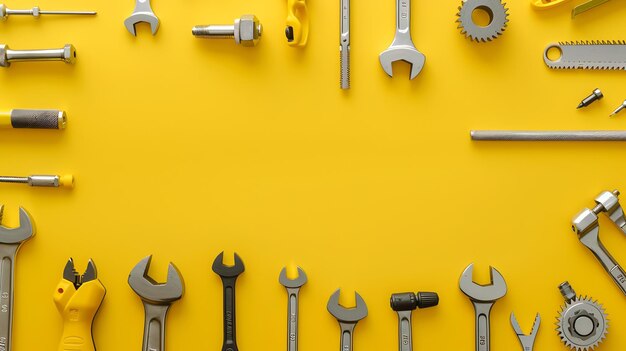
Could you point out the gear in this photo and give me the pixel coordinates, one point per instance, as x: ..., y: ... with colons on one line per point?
x: 582, y: 324
x: 498, y: 19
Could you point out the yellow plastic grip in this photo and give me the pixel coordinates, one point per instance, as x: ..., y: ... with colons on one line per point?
x: 547, y: 4
x: 78, y: 309
x: 298, y: 21
x: 5, y: 120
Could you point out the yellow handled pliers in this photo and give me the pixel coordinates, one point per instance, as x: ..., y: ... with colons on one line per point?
x: 297, y: 30
x: 78, y: 298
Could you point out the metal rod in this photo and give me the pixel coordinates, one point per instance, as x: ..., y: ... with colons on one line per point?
x: 543, y: 135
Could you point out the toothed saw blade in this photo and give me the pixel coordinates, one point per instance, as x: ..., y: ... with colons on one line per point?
x: 606, y: 54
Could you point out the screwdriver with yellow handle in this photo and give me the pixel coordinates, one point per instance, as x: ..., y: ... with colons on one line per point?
x: 78, y: 299
x: 55, y: 181
x: 37, y: 119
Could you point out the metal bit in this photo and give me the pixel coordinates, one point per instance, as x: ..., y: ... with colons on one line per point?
x: 5, y: 12
x: 53, y: 181
x: 246, y: 31
x: 595, y: 96
x: 546, y: 135
x: 344, y: 44
x: 619, y: 109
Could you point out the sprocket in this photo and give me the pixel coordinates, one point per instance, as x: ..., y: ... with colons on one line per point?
x: 582, y: 324
x: 498, y: 19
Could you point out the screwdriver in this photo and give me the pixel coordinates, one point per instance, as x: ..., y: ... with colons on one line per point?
x: 38, y: 119
x: 53, y: 181
x: 5, y: 12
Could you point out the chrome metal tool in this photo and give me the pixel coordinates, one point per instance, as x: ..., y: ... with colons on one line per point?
x: 595, y: 54
x: 402, y: 47
x: 586, y: 225
x: 10, y: 242
x: 142, y: 13
x: 37, y: 119
x: 582, y: 323
x: 344, y: 44
x: 586, y: 6
x: 229, y: 275
x: 498, y: 19
x: 66, y: 54
x: 619, y: 109
x: 404, y: 304
x: 293, y: 293
x: 527, y: 341
x: 157, y: 299
x: 595, y: 95
x: 54, y: 181
x: 246, y: 31
x: 483, y: 297
x: 5, y: 12
x: 548, y: 135
x: 347, y: 318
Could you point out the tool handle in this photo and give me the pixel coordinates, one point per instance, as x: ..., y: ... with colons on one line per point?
x: 619, y: 276
x: 403, y: 11
x: 405, y: 340
x: 7, y: 269
x: 593, y: 243
x: 38, y: 119
x: 154, y: 327
x: 347, y: 330
x: 230, y: 321
x: 292, y: 319
x: 78, y: 309
x: 482, y: 325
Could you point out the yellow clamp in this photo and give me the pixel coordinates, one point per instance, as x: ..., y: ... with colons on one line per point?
x: 297, y: 30
x: 78, y: 307
x: 547, y: 4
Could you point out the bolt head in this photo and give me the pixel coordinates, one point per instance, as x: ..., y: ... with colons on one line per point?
x: 583, y: 221
x: 69, y: 53
x: 4, y: 61
x: 248, y: 30
x: 36, y: 11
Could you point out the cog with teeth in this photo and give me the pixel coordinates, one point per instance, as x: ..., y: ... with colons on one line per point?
x: 498, y: 19
x: 582, y: 324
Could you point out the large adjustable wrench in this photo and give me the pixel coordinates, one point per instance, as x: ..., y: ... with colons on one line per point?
x: 10, y: 242
x: 402, y: 47
x: 586, y: 225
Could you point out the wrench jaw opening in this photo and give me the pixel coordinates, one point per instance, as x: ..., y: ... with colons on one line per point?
x: 153, y: 292
x: 137, y: 18
x: 25, y: 231
x: 482, y: 293
x: 404, y: 53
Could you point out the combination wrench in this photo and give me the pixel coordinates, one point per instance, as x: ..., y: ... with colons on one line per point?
x: 347, y: 318
x: 293, y: 293
x: 344, y: 44
x: 229, y: 276
x: 142, y: 13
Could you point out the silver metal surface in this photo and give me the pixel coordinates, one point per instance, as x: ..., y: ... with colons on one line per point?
x: 5, y: 12
x: 293, y: 292
x: 10, y: 242
x: 545, y: 135
x: 142, y: 13
x: 157, y: 299
x: 527, y: 341
x: 482, y: 297
x: 66, y: 54
x: 498, y: 19
x: 582, y: 323
x: 344, y: 44
x: 595, y: 95
x: 619, y: 109
x: 402, y: 48
x: 596, y: 54
x: 34, y: 180
x: 347, y: 318
x: 246, y: 31
x: 587, y: 227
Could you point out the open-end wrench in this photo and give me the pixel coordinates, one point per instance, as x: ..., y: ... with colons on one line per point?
x: 293, y: 291
x: 347, y: 317
x: 229, y: 276
x: 157, y: 299
x: 10, y: 242
x: 344, y: 44
x: 402, y: 48
x: 483, y: 297
x: 142, y: 13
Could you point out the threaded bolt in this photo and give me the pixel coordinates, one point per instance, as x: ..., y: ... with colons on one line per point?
x: 567, y: 291
x: 246, y: 31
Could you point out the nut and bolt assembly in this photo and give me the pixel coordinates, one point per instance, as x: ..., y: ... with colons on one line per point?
x: 66, y: 54
x: 5, y: 12
x: 246, y: 31
x: 595, y: 96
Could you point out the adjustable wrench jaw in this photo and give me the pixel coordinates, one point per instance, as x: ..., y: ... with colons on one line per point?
x: 25, y: 231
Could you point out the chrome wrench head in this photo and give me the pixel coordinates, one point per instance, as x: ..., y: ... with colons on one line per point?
x: 25, y: 231
x: 225, y: 271
x: 527, y: 341
x: 292, y: 283
x: 347, y: 315
x: 142, y: 13
x: 482, y: 293
x: 153, y: 292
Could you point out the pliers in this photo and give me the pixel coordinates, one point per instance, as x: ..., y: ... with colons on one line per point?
x: 527, y: 341
x: 78, y: 298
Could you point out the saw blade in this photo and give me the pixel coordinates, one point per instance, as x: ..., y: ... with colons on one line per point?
x: 604, y: 54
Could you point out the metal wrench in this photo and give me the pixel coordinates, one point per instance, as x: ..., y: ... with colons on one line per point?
x: 527, y: 341
x: 293, y: 291
x: 347, y: 318
x: 142, y: 13
x: 483, y: 297
x: 402, y: 47
x: 344, y: 44
x: 10, y: 242
x: 229, y: 276
x: 157, y: 299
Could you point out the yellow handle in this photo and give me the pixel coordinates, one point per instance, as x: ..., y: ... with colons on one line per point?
x: 547, y: 4
x: 5, y: 120
x: 298, y: 20
x: 78, y: 309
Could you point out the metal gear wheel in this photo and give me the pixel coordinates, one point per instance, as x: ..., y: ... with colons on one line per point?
x: 498, y: 19
x: 582, y: 324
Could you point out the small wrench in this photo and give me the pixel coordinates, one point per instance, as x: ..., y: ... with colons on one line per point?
x: 344, y: 44
x: 157, y: 299
x: 229, y: 276
x: 483, y: 297
x: 527, y: 341
x: 402, y: 47
x: 10, y: 242
x: 347, y: 317
x: 293, y: 291
x: 142, y: 13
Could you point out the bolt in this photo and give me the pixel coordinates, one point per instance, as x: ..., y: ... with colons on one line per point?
x: 620, y: 108
x: 595, y: 96
x: 246, y: 31
x: 66, y: 54
x: 567, y: 291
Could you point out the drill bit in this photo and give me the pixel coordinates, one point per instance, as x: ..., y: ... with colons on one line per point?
x: 54, y: 181
x: 595, y: 96
x: 344, y: 44
x: 619, y: 109
x: 5, y: 12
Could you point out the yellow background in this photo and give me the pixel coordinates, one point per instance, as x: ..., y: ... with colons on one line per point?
x: 183, y: 148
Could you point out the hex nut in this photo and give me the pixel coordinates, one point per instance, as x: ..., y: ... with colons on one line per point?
x: 248, y: 30
x: 69, y: 53
x: 583, y: 221
x: 4, y: 61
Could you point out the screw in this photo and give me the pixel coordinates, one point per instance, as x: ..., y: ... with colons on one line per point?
x: 620, y: 108
x: 595, y: 96
x: 567, y: 291
x: 246, y: 31
x: 66, y: 54
x: 54, y: 181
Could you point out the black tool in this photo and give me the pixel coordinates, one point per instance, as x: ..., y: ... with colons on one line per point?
x: 229, y: 276
x: 404, y: 303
